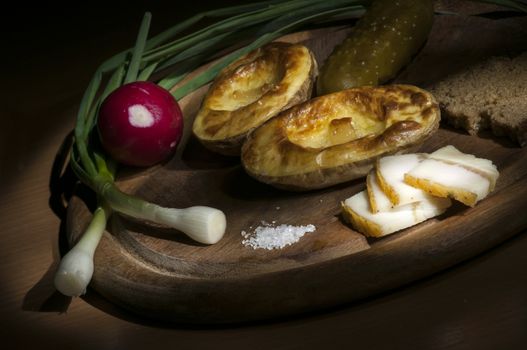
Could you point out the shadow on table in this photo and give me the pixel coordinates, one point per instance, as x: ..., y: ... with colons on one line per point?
x: 43, y: 296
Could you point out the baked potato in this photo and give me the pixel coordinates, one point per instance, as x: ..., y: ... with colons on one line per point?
x: 338, y: 137
x: 252, y: 90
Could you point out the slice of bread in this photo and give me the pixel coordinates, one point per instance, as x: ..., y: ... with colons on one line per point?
x: 491, y: 95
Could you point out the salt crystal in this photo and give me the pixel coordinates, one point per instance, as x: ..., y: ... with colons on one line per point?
x: 268, y: 237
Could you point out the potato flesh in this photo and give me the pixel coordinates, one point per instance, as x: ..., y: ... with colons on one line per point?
x: 390, y: 173
x: 453, y: 180
x: 357, y: 211
x: 254, y: 89
x: 346, y: 124
x: 337, y: 137
x: 244, y: 90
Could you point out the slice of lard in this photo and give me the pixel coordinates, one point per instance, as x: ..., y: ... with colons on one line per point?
x: 378, y: 199
x: 390, y: 172
x: 356, y: 210
x: 484, y: 167
x: 443, y: 179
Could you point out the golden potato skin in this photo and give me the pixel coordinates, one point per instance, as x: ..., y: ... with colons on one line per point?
x: 338, y: 137
x: 252, y: 90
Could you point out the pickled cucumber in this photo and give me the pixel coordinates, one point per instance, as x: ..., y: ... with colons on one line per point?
x: 379, y: 45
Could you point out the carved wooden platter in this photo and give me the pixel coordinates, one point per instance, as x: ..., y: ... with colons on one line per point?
x: 161, y: 274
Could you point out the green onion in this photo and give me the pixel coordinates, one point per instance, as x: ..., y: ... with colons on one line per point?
x: 147, y: 72
x: 208, y: 75
x: 133, y: 69
x: 255, y: 23
x: 76, y: 267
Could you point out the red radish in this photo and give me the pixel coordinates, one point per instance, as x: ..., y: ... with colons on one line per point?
x: 140, y: 124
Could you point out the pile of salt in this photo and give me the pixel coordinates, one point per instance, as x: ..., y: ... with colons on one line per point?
x: 268, y: 237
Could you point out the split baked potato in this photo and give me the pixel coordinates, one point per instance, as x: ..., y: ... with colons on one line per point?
x: 252, y: 90
x: 338, y: 137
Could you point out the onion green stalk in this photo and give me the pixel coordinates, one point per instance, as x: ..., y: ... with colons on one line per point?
x: 254, y: 24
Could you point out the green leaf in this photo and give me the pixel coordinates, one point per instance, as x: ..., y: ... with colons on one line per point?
x: 215, y: 13
x: 209, y: 74
x: 115, y: 81
x: 133, y: 69
x: 147, y: 72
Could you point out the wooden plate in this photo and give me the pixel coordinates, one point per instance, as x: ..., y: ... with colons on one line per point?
x: 161, y: 274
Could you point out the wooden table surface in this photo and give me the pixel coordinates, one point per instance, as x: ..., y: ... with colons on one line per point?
x: 47, y: 60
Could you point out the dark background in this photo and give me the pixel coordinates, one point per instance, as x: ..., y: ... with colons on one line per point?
x: 47, y: 57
